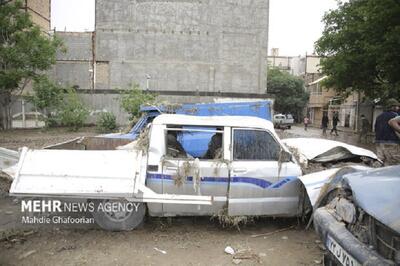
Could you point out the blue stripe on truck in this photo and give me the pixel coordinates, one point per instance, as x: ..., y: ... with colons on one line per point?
x: 239, y: 180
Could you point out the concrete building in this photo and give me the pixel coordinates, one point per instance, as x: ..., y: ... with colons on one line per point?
x: 327, y: 100
x: 183, y: 50
x: 285, y: 63
x: 305, y: 66
x: 324, y: 100
x: 310, y: 68
x: 40, y: 11
x: 293, y: 65
x: 319, y: 102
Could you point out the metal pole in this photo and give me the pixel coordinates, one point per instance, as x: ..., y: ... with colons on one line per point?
x: 23, y: 114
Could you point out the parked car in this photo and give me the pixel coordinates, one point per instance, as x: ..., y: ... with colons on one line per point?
x: 283, y: 121
x: 358, y: 217
x: 184, y: 165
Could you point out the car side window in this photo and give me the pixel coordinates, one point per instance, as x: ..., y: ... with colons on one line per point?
x: 194, y: 142
x: 250, y: 144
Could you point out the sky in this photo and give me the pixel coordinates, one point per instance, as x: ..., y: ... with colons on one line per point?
x: 294, y: 25
x: 72, y: 15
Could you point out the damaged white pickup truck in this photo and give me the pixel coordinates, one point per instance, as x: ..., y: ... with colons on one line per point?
x: 181, y: 165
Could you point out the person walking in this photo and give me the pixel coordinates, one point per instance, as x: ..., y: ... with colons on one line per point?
x: 306, y: 122
x: 386, y: 140
x: 365, y: 127
x: 335, y: 121
x: 324, y: 123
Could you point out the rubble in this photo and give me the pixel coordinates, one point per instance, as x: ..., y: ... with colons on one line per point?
x: 27, y: 254
x: 229, y: 250
x: 274, y: 232
x: 160, y: 250
x: 247, y: 254
x: 232, y: 221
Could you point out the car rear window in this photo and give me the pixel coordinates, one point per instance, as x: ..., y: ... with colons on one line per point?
x: 194, y: 142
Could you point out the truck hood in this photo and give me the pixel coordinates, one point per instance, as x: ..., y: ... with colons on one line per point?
x: 323, y: 150
x: 377, y: 192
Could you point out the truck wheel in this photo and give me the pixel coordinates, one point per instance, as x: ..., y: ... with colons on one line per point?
x: 118, y: 215
x: 289, y: 127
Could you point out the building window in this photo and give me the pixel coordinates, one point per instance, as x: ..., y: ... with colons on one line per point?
x: 316, y: 89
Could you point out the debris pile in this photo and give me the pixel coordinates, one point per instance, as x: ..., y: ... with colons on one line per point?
x: 231, y: 221
x: 242, y: 254
x: 182, y: 173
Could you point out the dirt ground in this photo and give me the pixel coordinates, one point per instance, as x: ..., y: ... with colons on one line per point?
x: 39, y: 138
x: 186, y: 241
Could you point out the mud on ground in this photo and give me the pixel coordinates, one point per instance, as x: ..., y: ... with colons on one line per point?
x: 39, y: 138
x: 179, y: 241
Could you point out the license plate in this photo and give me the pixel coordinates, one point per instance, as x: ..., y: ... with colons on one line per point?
x: 341, y: 254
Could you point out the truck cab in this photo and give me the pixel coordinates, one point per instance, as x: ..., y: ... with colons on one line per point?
x: 239, y: 161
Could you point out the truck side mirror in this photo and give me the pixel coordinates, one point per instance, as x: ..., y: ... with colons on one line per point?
x: 285, y: 156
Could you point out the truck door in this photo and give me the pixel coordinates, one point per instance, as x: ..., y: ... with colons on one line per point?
x: 260, y: 184
x: 195, y: 164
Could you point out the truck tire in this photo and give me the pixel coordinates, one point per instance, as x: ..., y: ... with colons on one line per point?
x: 289, y: 127
x: 121, y: 220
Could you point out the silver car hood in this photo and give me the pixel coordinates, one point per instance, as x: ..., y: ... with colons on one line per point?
x: 323, y: 150
x: 377, y: 191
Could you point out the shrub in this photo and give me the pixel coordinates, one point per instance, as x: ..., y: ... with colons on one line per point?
x: 47, y: 98
x: 106, y: 122
x: 72, y: 112
x: 133, y: 98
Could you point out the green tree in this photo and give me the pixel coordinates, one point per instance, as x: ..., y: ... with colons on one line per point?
x: 133, y: 98
x: 361, y: 47
x: 24, y: 53
x: 289, y: 91
x: 47, y: 97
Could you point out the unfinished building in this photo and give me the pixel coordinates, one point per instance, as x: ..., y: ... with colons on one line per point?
x: 183, y: 50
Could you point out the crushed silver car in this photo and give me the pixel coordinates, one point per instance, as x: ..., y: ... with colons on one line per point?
x: 357, y: 214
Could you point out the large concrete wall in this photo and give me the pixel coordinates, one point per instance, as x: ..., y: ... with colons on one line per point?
x: 209, y: 46
x: 193, y: 51
x: 75, y: 67
x: 184, y: 45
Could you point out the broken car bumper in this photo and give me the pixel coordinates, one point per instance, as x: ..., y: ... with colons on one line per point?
x: 342, y: 244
